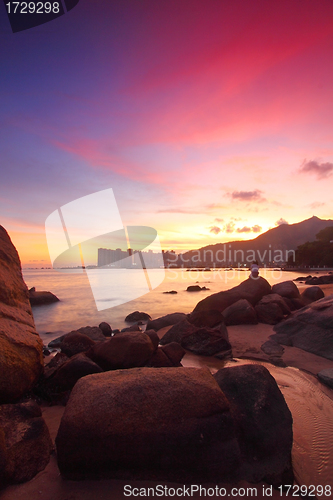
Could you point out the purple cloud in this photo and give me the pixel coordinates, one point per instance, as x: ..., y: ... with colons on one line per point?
x: 280, y: 222
x: 215, y: 229
x: 322, y: 170
x: 248, y: 195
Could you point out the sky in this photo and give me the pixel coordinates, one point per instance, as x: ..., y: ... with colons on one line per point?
x: 211, y: 120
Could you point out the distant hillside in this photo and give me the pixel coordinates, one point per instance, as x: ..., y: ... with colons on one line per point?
x: 273, y: 247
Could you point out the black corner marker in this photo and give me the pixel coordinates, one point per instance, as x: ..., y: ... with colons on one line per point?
x: 70, y: 4
x: 25, y: 15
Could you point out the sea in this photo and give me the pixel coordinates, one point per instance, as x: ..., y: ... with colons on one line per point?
x: 77, y: 306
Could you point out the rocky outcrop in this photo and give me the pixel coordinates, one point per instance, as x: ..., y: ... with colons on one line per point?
x: 196, y: 288
x: 66, y: 375
x: 137, y: 316
x: 286, y: 289
x: 181, y: 431
x: 124, y: 350
x: 41, y: 298
x: 163, y: 321
x: 311, y: 294
x: 105, y: 329
x: 168, y: 355
x: 21, y: 349
x: 271, y: 309
x: 320, y: 280
x: 205, y: 318
x: 203, y: 341
x: 240, y: 313
x: 309, y: 328
x: 75, y: 342
x: 263, y: 422
x: 25, y: 443
x: 252, y: 289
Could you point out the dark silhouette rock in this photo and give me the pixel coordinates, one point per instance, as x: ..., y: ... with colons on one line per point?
x: 153, y: 337
x: 320, y: 280
x: 252, y: 289
x: 263, y: 422
x: 303, y: 278
x: 137, y: 316
x: 272, y: 348
x: 41, y: 298
x: 124, y: 350
x: 177, y: 332
x: 286, y: 289
x: 25, y: 441
x: 310, y: 328
x: 205, y: 318
x: 105, y: 328
x: 169, y: 319
x: 74, y: 342
x: 195, y: 288
x: 182, y: 431
x: 171, y: 292
x: 326, y: 376
x: 240, y: 313
x: 271, y: 309
x: 311, y: 294
x: 133, y: 328
x: 71, y: 371
x: 206, y: 341
x: 199, y: 340
x: 93, y: 332
x: 174, y: 352
x: 21, y: 349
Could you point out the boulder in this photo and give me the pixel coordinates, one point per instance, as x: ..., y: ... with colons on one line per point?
x: 194, y: 288
x: 286, y: 289
x: 240, y: 313
x: 41, y: 298
x: 177, y: 332
x: 263, y: 422
x: 133, y: 328
x: 124, y: 350
x: 320, y: 280
x: 21, y: 349
x: 174, y: 353
x: 309, y: 328
x: 74, y: 342
x: 205, y: 341
x: 205, y: 318
x: 326, y: 376
x: 93, y: 332
x: 25, y: 441
x: 271, y: 309
x: 66, y: 375
x: 311, y: 294
x: 169, y: 319
x: 105, y: 328
x: 252, y: 289
x: 137, y: 316
x: 181, y: 431
x: 172, y: 292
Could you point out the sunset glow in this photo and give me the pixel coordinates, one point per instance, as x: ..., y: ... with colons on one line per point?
x: 211, y: 121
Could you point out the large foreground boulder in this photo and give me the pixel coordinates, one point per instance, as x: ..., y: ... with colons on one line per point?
x: 240, y: 313
x: 26, y: 443
x: 252, y: 289
x: 309, y: 328
x: 286, y: 289
x: 21, y: 349
x: 151, y: 423
x: 263, y: 422
x: 271, y: 309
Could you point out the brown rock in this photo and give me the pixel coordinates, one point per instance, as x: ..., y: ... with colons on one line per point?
x: 71, y: 371
x: 124, y: 350
x: 74, y: 342
x: 21, y: 349
x: 169, y: 319
x: 271, y: 309
x: 252, y: 289
x: 311, y: 294
x: 263, y: 422
x: 205, y: 318
x: 41, y: 298
x: 174, y: 352
x: 26, y: 439
x: 286, y: 289
x: 181, y: 431
x: 240, y: 313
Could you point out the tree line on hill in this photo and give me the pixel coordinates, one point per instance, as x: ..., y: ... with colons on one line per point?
x: 316, y: 253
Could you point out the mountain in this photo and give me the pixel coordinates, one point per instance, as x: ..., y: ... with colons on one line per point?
x: 271, y: 248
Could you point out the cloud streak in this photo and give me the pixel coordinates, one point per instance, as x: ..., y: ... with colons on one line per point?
x: 255, y: 195
x: 321, y: 170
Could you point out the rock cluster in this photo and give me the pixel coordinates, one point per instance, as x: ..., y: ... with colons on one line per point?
x: 179, y: 424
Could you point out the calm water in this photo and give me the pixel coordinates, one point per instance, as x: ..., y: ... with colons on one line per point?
x: 77, y: 306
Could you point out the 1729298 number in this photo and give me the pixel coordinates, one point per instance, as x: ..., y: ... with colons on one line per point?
x: 33, y: 8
